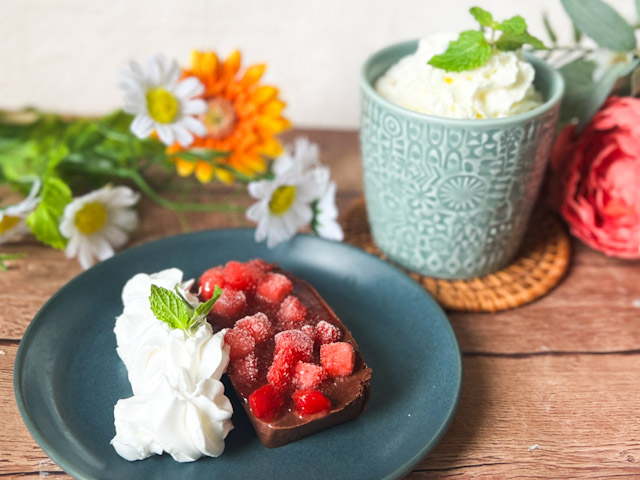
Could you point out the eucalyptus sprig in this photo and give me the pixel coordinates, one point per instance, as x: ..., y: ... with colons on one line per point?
x: 473, y: 49
x: 176, y: 311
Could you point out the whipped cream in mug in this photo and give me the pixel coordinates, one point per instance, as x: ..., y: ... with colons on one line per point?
x: 500, y: 88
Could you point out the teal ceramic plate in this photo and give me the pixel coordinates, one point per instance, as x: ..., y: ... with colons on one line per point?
x: 68, y: 376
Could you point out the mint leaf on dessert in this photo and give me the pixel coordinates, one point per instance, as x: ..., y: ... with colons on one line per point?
x: 514, y: 41
x: 515, y: 25
x: 470, y: 51
x: 483, y: 17
x: 169, y: 308
x: 203, y: 309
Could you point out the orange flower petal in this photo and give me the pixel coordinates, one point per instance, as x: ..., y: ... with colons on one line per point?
x: 232, y: 64
x: 253, y: 74
x: 204, y: 172
x: 269, y: 126
x: 264, y: 94
x: 270, y: 147
x: 224, y: 176
x: 184, y: 167
x: 273, y: 108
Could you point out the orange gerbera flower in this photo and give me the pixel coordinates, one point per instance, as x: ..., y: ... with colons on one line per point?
x: 243, y: 118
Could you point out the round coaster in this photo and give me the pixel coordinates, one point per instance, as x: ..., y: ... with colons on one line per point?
x: 539, y: 266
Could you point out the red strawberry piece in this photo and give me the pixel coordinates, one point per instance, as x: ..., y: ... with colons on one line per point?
x: 266, y: 403
x: 326, y: 333
x: 230, y: 304
x: 310, y: 331
x: 245, y: 370
x: 311, y: 402
x: 260, y: 264
x: 240, y: 341
x: 280, y: 373
x: 295, y: 344
x: 242, y: 276
x: 308, y: 376
x: 292, y: 312
x: 274, y: 287
x: 208, y: 281
x: 337, y: 359
x: 257, y: 325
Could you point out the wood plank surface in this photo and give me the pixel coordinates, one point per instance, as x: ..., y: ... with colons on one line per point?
x: 550, y: 389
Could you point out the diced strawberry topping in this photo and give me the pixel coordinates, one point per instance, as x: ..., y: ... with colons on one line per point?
x: 337, y: 359
x: 242, y: 276
x: 245, y: 369
x: 230, y: 304
x: 240, y: 341
x: 208, y: 281
x: 260, y: 264
x: 274, y: 287
x: 310, y: 402
x: 308, y: 376
x: 257, y: 325
x: 292, y: 313
x: 310, y: 331
x: 266, y: 403
x: 280, y: 373
x: 295, y: 345
x: 326, y: 333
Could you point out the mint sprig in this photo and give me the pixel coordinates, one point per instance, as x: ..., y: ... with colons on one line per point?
x: 173, y: 309
x: 472, y: 49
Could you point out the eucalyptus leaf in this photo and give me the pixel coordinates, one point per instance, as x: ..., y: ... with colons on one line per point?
x: 602, y: 23
x: 637, y: 2
x: 602, y: 89
x: 578, y: 80
x: 547, y: 25
x: 635, y: 83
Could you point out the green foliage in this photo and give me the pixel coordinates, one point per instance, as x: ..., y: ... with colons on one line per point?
x: 173, y: 309
x: 472, y: 49
x: 9, y: 256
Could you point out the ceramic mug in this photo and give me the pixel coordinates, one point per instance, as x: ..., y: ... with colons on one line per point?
x: 447, y: 197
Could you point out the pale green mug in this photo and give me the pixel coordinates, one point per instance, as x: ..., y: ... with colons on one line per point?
x: 446, y: 197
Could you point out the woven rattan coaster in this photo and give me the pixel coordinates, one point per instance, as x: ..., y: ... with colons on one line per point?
x: 539, y: 266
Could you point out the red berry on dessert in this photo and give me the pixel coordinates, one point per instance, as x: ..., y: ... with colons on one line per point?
x: 229, y: 306
x: 326, y: 333
x: 208, y: 281
x: 308, y: 376
x: 337, y: 359
x: 241, y: 343
x: 292, y: 313
x: 266, y: 403
x: 258, y: 325
x: 242, y: 276
x: 274, y: 287
x: 311, y: 402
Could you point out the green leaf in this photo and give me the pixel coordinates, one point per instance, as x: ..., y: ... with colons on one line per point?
x: 602, y: 89
x: 483, y: 17
x: 515, y: 25
x: 578, y: 80
x: 552, y: 35
x: 204, y: 308
x: 577, y: 34
x: 44, y: 220
x: 169, y: 308
x: 602, y: 23
x: 513, y: 41
x: 9, y: 256
x: 470, y: 51
x: 637, y: 2
x: 635, y: 83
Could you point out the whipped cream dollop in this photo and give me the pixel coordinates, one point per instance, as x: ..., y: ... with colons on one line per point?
x: 502, y: 87
x: 178, y: 406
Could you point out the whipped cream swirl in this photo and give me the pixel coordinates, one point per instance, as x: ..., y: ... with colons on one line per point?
x: 502, y: 87
x: 178, y: 406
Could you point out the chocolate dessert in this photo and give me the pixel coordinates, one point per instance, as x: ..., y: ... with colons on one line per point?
x: 296, y: 367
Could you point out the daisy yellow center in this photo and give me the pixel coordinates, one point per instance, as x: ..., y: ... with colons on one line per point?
x: 282, y: 199
x: 7, y: 223
x: 162, y: 105
x: 220, y: 118
x: 91, y: 218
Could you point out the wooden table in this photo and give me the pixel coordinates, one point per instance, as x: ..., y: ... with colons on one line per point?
x: 551, y: 390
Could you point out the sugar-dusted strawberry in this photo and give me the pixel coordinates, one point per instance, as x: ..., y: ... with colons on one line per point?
x: 295, y: 344
x: 292, y: 312
x: 245, y: 369
x: 242, y: 276
x: 280, y: 373
x: 337, y: 359
x: 208, y: 281
x: 260, y: 264
x: 227, y: 308
x: 308, y: 376
x: 311, y: 402
x: 274, y: 287
x: 257, y: 325
x: 326, y: 333
x: 240, y: 341
x: 266, y: 403
x: 310, y: 331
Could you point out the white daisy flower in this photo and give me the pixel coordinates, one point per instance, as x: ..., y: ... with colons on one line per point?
x: 284, y: 205
x: 305, y: 156
x: 99, y: 222
x: 325, y: 222
x: 161, y: 102
x: 12, y: 218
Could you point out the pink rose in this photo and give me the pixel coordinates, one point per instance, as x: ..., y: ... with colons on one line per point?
x: 596, y: 178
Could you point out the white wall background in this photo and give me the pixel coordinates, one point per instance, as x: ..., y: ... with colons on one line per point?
x: 65, y: 55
